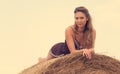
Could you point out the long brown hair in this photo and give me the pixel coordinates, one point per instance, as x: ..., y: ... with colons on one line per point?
x: 88, y: 29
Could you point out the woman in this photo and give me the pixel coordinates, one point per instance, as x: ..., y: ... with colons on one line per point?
x: 79, y: 37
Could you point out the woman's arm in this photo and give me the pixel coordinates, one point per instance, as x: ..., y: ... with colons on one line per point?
x: 94, y: 37
x: 89, y: 52
x: 69, y: 34
x: 69, y: 39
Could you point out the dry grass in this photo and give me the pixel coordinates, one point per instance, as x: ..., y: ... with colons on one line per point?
x: 76, y: 64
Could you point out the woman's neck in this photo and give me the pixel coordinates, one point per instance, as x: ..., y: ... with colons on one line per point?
x: 80, y: 30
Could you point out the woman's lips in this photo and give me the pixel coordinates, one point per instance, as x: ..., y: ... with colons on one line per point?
x: 80, y: 24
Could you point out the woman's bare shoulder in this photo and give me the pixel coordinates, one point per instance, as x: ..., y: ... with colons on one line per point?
x: 94, y: 31
x: 69, y: 29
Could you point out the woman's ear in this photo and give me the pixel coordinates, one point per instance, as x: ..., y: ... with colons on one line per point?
x: 87, y: 19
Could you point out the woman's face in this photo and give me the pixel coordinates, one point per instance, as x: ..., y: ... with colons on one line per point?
x: 80, y: 19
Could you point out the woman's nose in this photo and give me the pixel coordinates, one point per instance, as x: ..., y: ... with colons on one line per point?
x: 79, y: 20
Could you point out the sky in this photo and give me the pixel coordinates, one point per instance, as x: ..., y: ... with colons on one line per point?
x: 29, y: 28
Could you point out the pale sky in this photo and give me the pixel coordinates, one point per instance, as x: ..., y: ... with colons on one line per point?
x: 29, y: 28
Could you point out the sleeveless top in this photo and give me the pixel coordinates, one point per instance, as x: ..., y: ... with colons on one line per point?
x: 61, y: 48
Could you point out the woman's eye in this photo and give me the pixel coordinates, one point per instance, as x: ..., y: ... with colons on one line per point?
x: 81, y: 17
x: 76, y: 18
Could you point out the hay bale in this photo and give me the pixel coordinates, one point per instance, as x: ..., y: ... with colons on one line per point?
x: 77, y: 64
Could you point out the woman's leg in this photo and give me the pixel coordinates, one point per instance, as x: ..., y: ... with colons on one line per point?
x: 49, y: 56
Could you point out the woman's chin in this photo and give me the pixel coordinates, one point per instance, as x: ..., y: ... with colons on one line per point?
x: 80, y: 26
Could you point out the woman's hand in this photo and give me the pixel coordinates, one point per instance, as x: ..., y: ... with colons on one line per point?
x: 92, y: 51
x: 76, y: 51
x: 87, y: 53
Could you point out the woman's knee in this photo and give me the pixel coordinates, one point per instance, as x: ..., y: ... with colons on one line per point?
x: 50, y: 56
